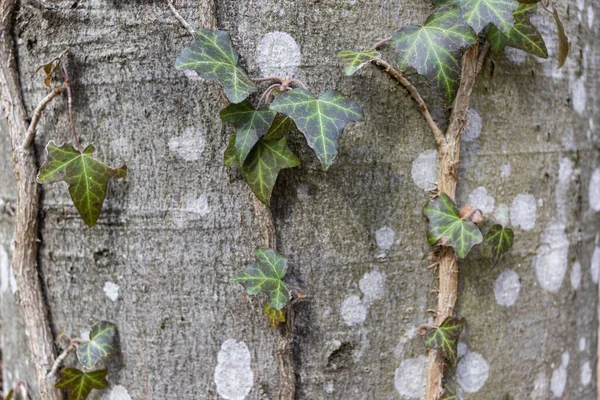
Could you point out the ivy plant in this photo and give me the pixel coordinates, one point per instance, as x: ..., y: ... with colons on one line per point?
x: 449, y: 51
x: 86, y: 177
x: 259, y: 147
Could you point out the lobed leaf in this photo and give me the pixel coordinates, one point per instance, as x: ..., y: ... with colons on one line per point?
x: 445, y: 338
x: 212, y: 56
x: 321, y: 120
x: 435, y: 49
x: 481, y: 13
x: 523, y: 35
x: 274, y: 316
x: 86, y: 177
x: 500, y: 240
x: 266, y: 276
x: 250, y: 125
x: 101, y: 344
x: 446, y: 226
x: 280, y: 126
x: 355, y: 60
x: 80, y: 384
x: 563, y: 41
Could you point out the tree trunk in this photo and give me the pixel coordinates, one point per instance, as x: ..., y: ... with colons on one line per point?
x: 173, y: 233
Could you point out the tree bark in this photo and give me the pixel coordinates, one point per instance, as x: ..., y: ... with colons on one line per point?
x: 174, y: 232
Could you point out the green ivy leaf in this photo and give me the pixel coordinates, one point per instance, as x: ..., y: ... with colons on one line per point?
x: 563, y: 41
x: 250, y: 125
x: 355, y: 60
x: 500, y: 240
x: 480, y: 13
x: 523, y: 36
x: 266, y: 276
x: 321, y: 120
x: 446, y: 226
x: 263, y: 164
x: 435, y: 49
x: 80, y: 384
x: 445, y: 338
x: 86, y: 177
x: 274, y: 316
x: 10, y: 394
x: 101, y: 344
x: 448, y: 395
x: 212, y: 56
x: 230, y: 157
x: 280, y: 126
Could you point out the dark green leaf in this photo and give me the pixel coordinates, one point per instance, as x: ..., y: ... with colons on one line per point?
x: 480, y: 13
x: 250, y: 125
x: 500, y: 240
x: 281, y: 125
x: 86, y: 177
x: 321, y: 120
x: 523, y: 35
x: 355, y: 60
x: 212, y: 56
x: 80, y: 384
x: 230, y: 158
x: 435, y: 49
x: 263, y: 164
x: 266, y: 276
x: 274, y: 316
x: 101, y: 344
x: 563, y: 41
x: 446, y: 226
x: 445, y: 338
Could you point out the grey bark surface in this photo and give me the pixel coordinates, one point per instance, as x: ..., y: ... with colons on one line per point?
x: 173, y: 233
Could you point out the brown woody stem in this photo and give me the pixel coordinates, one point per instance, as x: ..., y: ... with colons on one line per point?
x: 179, y: 18
x: 37, y: 114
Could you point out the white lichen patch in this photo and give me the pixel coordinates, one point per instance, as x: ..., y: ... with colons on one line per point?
x: 424, y: 170
x: 473, y: 126
x: 565, y: 172
x: 409, y: 378
x: 590, y: 16
x: 472, y: 372
x: 5, y: 271
x: 198, y: 207
x: 372, y: 285
x: 505, y: 170
x: 385, y: 237
x: 540, y: 387
x: 353, y: 310
x: 579, y: 95
x: 550, y: 262
x: 523, y: 211
x: 502, y: 214
x: 189, y: 145
x: 233, y: 375
x: 278, y: 54
x: 111, y: 290
x: 302, y: 191
x: 582, y: 344
x: 586, y: 374
x: 507, y: 288
x: 118, y: 392
x: 480, y: 199
x: 558, y: 381
x: 594, y: 190
x: 576, y: 275
x: 595, y: 264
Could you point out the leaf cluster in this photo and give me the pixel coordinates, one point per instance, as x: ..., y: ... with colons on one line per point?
x: 101, y: 345
x: 447, y: 227
x: 259, y: 147
x: 445, y: 338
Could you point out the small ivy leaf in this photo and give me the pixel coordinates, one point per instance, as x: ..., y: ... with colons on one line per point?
x: 448, y: 395
x: 355, y: 60
x: 435, y: 49
x: 563, y: 41
x: 266, y: 276
x: 445, y: 225
x: 500, y: 240
x: 80, y: 384
x: 523, y: 36
x: 212, y: 56
x: 480, y: 13
x: 274, y: 316
x: 87, y: 178
x: 250, y: 125
x: 101, y: 344
x: 263, y: 164
x: 321, y: 120
x: 230, y: 158
x: 51, y: 67
x: 280, y: 126
x: 10, y: 394
x: 445, y: 338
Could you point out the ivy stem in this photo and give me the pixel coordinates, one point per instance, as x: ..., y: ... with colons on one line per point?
x: 67, y: 85
x: 267, y: 79
x: 73, y: 344
x: 37, y: 114
x: 394, y: 73
x: 264, y: 99
x: 380, y: 43
x: 179, y: 18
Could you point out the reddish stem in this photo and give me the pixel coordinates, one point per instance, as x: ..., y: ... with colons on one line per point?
x: 70, y: 104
